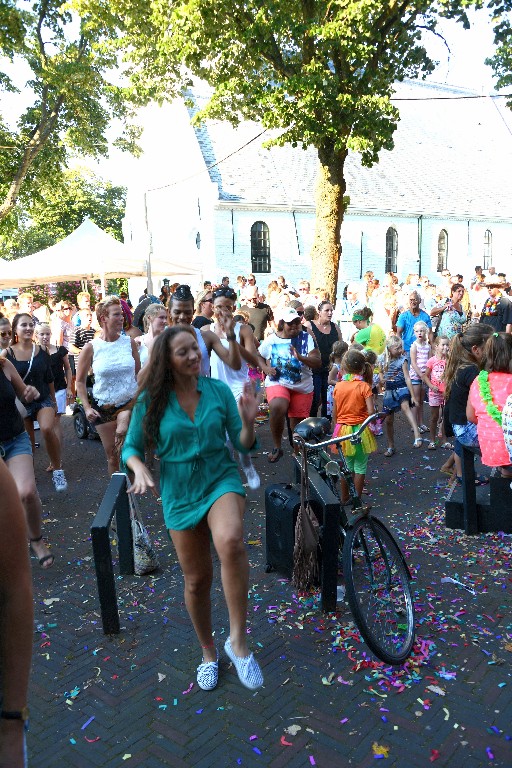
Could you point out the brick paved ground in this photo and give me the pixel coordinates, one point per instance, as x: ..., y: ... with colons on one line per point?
x: 128, y: 700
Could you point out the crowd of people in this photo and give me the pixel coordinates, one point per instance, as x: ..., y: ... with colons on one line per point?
x: 183, y: 378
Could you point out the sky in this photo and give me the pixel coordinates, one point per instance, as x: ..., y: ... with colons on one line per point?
x: 462, y: 65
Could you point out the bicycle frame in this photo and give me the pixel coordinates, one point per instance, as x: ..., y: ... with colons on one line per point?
x: 326, y: 464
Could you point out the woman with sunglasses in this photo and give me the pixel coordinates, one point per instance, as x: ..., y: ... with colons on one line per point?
x: 34, y: 366
x: 326, y: 333
x: 204, y: 309
x: 61, y: 324
x: 288, y: 358
x: 5, y: 333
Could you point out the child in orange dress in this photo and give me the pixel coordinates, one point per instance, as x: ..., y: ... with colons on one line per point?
x: 353, y: 403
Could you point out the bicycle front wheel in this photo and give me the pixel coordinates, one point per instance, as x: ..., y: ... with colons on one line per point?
x: 378, y: 590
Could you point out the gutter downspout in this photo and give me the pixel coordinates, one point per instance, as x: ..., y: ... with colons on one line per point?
x: 296, y: 233
x: 420, y: 241
x: 361, y: 257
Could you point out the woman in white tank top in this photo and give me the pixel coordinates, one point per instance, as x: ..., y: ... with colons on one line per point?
x: 115, y: 362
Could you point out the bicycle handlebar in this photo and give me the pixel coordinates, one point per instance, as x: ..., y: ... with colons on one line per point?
x: 354, y: 437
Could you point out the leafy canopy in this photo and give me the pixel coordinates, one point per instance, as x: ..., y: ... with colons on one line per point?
x: 320, y: 72
x: 58, y: 209
x: 72, y: 95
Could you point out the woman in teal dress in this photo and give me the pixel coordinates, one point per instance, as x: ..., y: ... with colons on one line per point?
x: 184, y: 417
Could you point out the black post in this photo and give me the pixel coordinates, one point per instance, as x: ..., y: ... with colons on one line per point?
x: 105, y: 579
x: 103, y: 555
x: 124, y: 530
x: 469, y: 492
x: 320, y: 492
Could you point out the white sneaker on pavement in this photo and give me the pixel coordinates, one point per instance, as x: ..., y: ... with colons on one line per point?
x: 253, y: 479
x: 59, y: 480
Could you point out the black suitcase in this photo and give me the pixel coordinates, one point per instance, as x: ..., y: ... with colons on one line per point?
x: 282, y: 502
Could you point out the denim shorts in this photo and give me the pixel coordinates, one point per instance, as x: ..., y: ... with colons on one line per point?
x: 34, y: 407
x: 466, y: 434
x: 393, y: 399
x: 17, y: 446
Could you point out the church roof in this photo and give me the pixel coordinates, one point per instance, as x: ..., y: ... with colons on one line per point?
x: 452, y: 156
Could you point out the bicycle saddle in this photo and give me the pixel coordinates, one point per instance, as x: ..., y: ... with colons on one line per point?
x: 314, y: 426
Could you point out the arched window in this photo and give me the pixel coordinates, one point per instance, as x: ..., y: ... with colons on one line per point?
x: 260, y: 247
x: 442, y: 251
x: 391, y: 250
x: 487, y: 249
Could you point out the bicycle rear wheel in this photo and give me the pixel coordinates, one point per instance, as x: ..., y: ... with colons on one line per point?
x: 378, y: 590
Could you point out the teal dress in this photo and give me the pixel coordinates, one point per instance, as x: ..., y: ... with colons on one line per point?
x: 196, y: 467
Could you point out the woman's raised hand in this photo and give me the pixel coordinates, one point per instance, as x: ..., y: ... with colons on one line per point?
x: 248, y: 404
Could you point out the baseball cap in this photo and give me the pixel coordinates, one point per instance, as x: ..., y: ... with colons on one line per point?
x: 289, y: 314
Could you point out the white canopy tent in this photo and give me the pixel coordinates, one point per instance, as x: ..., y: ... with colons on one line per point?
x: 88, y: 253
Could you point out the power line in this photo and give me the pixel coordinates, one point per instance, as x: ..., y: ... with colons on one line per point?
x: 452, y: 98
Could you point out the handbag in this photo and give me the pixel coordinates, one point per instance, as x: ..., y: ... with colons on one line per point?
x: 19, y: 404
x: 307, y: 537
x: 145, y: 559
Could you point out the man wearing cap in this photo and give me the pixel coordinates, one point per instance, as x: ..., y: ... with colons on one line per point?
x: 497, y: 310
x: 260, y: 314
x: 287, y: 357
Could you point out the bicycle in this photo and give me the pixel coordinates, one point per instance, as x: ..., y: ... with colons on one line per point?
x: 377, y: 578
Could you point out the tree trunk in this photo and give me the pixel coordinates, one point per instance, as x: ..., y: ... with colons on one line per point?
x: 330, y: 209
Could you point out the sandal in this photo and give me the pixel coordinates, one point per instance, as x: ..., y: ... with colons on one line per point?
x: 479, y: 480
x: 431, y: 446
x: 247, y: 668
x: 417, y: 443
x: 208, y: 674
x: 49, y: 558
x: 274, y: 455
x: 423, y: 428
x: 448, y: 446
x: 389, y: 452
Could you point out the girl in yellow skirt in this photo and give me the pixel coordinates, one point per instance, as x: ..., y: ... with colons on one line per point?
x: 353, y: 403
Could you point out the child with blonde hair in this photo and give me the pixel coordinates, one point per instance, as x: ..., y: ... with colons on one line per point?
x: 338, y: 350
x: 398, y: 393
x: 420, y: 353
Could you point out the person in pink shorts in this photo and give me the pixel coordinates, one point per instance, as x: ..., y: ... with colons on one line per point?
x: 433, y: 378
x: 487, y: 397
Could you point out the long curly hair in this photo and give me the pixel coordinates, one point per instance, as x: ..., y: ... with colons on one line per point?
x: 157, y: 382
x: 460, y: 352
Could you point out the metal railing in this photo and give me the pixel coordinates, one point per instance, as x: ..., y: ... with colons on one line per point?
x: 115, y: 502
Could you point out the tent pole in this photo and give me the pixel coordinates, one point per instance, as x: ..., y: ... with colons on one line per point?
x: 150, y: 250
x: 103, y: 294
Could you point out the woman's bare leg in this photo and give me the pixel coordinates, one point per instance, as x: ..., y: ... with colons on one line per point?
x: 225, y: 519
x: 194, y: 555
x: 107, y: 433
x: 46, y: 419
x: 22, y: 469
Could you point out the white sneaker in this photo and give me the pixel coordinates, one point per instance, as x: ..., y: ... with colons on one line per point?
x: 253, y: 479
x: 59, y: 480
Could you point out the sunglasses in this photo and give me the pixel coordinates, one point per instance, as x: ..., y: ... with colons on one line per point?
x: 64, y: 309
x: 300, y: 314
x: 207, y: 301
x: 4, y: 334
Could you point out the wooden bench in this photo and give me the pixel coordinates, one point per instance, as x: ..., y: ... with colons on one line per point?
x: 479, y: 509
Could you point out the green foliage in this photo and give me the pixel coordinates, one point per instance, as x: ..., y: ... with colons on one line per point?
x: 66, y: 291
x: 501, y: 62
x: 77, y: 91
x: 58, y: 209
x: 320, y: 72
